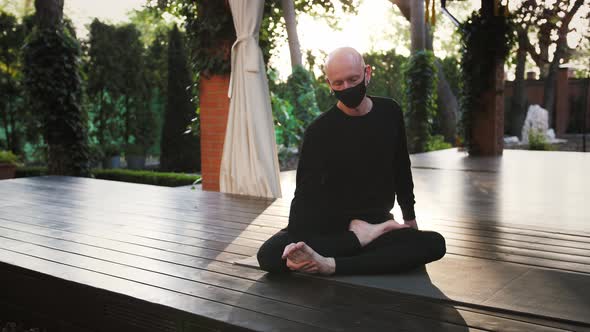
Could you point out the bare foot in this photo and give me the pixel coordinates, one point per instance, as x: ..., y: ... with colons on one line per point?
x: 367, y: 232
x: 293, y: 253
x: 301, y: 257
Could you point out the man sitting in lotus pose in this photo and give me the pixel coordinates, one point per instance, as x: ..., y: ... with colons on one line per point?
x: 353, y: 162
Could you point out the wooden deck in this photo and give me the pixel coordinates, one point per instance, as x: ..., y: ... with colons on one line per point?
x: 91, y: 255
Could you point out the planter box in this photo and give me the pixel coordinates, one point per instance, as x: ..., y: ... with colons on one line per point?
x: 7, y: 171
x: 135, y: 162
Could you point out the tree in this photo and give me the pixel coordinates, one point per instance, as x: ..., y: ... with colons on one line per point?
x: 387, y: 76
x: 549, y: 22
x: 104, y: 85
x: 11, y: 37
x: 52, y: 82
x: 180, y: 150
x: 130, y: 63
x: 156, y: 71
x: 151, y: 24
x: 518, y: 103
x: 417, y: 26
x: 561, y: 51
x: 447, y: 101
x: 291, y: 25
x: 122, y: 87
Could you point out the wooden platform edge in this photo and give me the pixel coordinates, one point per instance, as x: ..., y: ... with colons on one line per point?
x: 63, y: 305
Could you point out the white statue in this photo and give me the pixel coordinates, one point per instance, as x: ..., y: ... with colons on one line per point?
x: 537, y: 119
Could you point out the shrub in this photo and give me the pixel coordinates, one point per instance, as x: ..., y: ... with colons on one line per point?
x: 420, y: 99
x: 125, y: 175
x: 300, y: 92
x: 146, y: 177
x: 387, y: 76
x: 28, y: 171
x: 7, y: 157
x: 287, y: 126
x: 437, y: 142
x: 538, y: 141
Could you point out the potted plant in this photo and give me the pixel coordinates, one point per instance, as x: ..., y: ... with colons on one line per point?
x: 8, y: 163
x: 112, y: 156
x: 135, y: 155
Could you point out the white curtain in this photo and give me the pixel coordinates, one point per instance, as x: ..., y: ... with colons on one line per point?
x: 250, y: 164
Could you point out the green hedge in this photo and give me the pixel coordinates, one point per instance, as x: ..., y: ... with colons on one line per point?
x: 145, y: 177
x: 23, y: 172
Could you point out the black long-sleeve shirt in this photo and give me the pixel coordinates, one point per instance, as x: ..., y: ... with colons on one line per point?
x: 352, y: 167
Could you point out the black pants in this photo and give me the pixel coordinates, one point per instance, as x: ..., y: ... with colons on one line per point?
x: 397, y: 250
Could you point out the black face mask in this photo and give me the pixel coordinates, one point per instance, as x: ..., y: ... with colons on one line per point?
x: 353, y: 96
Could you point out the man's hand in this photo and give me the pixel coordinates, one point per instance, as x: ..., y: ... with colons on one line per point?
x: 412, y: 223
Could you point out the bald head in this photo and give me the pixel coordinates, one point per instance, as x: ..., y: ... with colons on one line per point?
x: 345, y: 67
x: 344, y: 56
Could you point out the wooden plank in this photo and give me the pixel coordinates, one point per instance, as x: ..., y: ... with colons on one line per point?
x: 495, y: 225
x: 489, y: 234
x: 111, y: 256
x: 469, y: 243
x: 503, y: 218
x: 261, y: 290
x: 285, y: 213
x: 222, y: 214
x: 546, y: 262
x: 217, y: 240
x: 330, y: 319
x: 146, y: 222
x: 86, y: 204
x: 215, y: 310
x: 452, y: 249
x: 273, y: 230
x: 460, y: 241
x: 220, y: 263
x: 523, y: 260
x: 195, y: 247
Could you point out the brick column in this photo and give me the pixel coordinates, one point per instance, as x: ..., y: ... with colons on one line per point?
x: 214, y: 113
x: 487, y: 129
x: 561, y: 101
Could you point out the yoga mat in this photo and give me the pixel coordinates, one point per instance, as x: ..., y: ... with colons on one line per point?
x: 485, y: 282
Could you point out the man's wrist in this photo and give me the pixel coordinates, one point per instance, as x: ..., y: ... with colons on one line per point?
x: 409, y: 216
x: 411, y: 223
x: 408, y: 213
